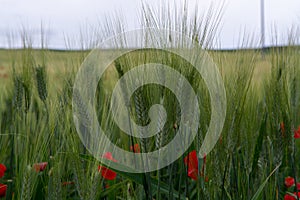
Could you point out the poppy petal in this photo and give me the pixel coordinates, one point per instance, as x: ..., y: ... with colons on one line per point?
x: 109, y: 156
x: 135, y: 148
x: 3, y: 189
x: 297, y: 133
x: 191, y: 161
x: 289, y: 181
x: 289, y: 197
x: 2, y: 170
x: 107, y: 173
x: 39, y: 167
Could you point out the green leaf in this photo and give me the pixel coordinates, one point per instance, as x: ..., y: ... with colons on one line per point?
x: 261, y: 187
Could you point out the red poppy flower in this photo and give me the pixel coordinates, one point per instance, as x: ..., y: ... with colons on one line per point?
x: 298, y: 186
x: 105, y: 172
x: 135, y: 148
x: 191, y: 161
x: 67, y: 183
x: 289, y: 197
x: 297, y: 133
x: 206, y: 179
x: 221, y: 140
x: 109, y: 156
x: 39, y: 167
x: 289, y: 181
x: 3, y: 189
x: 2, y: 170
x: 282, y: 127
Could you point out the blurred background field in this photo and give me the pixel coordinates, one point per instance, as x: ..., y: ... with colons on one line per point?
x: 61, y: 62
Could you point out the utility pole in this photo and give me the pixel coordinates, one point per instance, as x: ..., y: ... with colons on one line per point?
x: 262, y: 25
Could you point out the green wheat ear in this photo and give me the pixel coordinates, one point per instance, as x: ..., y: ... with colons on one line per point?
x: 119, y: 69
x: 54, y: 187
x: 94, y: 188
x: 79, y: 179
x: 141, y: 114
x: 41, y: 82
x: 18, y: 92
x: 27, y: 184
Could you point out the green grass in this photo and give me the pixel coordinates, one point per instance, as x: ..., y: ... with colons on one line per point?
x: 261, y: 93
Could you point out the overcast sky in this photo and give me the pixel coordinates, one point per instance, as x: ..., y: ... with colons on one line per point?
x: 65, y: 17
